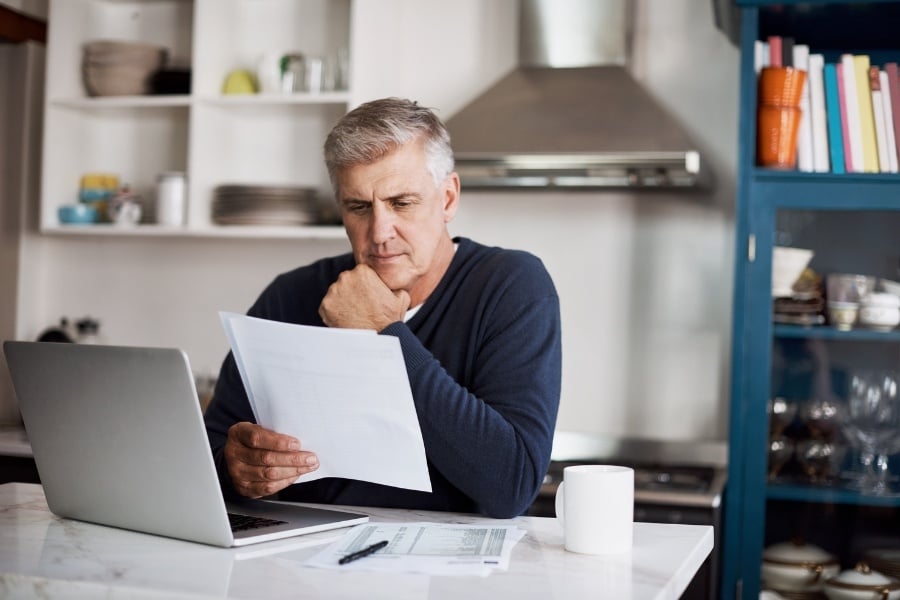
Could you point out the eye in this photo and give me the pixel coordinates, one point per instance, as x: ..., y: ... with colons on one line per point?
x: 357, y: 208
x: 402, y: 203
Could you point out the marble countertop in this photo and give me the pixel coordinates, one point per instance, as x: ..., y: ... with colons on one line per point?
x: 44, y: 556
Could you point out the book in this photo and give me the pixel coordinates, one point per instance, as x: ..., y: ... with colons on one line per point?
x: 884, y: 164
x: 800, y: 60
x: 787, y: 52
x: 818, y: 119
x: 760, y: 55
x: 833, y: 113
x: 866, y: 116
x: 853, y: 133
x: 775, y: 55
x: 893, y: 75
x: 893, y: 159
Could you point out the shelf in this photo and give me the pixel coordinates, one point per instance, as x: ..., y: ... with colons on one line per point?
x: 215, y: 139
x: 323, y: 232
x: 105, y: 102
x: 818, y: 494
x: 797, y: 177
x: 278, y: 99
x: 830, y: 333
x: 826, y: 191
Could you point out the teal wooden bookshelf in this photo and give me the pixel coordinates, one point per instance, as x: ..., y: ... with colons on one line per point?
x: 852, y: 222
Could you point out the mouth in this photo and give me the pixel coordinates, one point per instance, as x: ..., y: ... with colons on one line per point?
x: 378, y: 259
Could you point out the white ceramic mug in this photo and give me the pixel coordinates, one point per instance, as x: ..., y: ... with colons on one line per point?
x: 595, y: 506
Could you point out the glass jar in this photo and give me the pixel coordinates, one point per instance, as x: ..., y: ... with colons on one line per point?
x: 171, y: 194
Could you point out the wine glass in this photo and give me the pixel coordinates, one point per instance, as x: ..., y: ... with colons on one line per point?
x: 872, y: 422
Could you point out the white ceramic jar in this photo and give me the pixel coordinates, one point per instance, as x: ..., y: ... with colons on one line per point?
x: 880, y: 311
x: 171, y: 196
x: 862, y: 583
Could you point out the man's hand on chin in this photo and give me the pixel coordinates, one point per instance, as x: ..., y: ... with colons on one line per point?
x: 359, y: 299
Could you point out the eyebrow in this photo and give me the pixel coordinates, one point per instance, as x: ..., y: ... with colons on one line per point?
x: 399, y: 196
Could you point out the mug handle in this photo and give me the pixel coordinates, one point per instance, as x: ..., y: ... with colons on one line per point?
x: 560, y: 504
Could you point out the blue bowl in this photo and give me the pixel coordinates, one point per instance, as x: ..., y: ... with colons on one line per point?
x: 77, y: 214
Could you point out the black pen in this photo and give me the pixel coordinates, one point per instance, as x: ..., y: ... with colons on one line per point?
x: 364, y: 552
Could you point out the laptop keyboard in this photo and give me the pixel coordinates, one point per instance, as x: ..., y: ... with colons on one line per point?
x: 246, y: 522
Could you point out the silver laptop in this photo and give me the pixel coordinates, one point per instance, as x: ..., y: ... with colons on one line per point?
x: 118, y: 439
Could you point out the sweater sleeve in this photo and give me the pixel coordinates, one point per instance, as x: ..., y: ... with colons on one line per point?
x: 492, y: 439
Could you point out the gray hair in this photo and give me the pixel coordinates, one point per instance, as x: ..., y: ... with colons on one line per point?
x: 374, y: 129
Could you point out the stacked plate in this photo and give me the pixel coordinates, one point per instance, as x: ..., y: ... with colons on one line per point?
x: 264, y: 205
x: 114, y: 68
x: 885, y: 561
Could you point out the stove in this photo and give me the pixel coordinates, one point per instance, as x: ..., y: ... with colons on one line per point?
x: 674, y: 482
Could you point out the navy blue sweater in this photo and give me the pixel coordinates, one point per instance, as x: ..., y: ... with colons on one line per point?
x: 483, y: 356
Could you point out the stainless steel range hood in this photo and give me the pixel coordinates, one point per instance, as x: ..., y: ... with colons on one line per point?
x: 571, y: 115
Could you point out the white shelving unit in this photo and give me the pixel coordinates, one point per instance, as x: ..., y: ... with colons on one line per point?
x: 215, y: 138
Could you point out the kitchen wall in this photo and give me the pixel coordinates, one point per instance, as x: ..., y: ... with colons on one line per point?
x: 644, y: 279
x: 20, y: 132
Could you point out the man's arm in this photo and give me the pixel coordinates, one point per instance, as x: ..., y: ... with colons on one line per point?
x: 492, y: 439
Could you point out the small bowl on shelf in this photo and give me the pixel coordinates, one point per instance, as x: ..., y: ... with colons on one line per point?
x: 77, y: 214
x: 843, y: 315
x: 879, y: 311
x: 891, y: 287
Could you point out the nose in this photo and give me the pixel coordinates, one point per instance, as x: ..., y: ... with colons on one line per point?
x: 382, y: 226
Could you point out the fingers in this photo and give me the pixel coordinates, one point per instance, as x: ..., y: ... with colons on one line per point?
x: 403, y: 297
x: 262, y: 462
x: 359, y: 299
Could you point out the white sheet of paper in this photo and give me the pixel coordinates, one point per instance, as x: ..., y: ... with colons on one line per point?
x: 343, y: 393
x: 433, y: 548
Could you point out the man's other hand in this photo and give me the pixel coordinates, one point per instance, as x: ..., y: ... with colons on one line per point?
x: 262, y: 462
x: 359, y: 299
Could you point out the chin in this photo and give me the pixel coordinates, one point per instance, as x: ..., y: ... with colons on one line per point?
x: 395, y: 283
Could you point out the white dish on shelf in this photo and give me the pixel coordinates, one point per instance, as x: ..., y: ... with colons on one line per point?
x: 891, y: 287
x: 797, y: 566
x: 787, y: 266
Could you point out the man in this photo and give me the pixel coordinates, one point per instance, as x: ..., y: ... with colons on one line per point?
x: 479, y: 328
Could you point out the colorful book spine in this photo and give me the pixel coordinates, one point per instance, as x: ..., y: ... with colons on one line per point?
x: 775, y: 55
x: 787, y: 52
x: 818, y: 119
x: 833, y: 110
x: 760, y: 55
x: 866, y: 116
x: 893, y: 75
x: 853, y: 134
x: 884, y: 163
x: 800, y: 60
x: 893, y: 162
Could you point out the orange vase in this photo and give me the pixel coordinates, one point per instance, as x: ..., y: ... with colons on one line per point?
x: 776, y: 138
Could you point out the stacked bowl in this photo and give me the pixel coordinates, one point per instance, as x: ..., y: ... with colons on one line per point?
x: 117, y: 68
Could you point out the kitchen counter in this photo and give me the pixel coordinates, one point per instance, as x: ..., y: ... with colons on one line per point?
x: 44, y: 556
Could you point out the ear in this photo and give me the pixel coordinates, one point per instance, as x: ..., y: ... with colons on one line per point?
x: 450, y: 192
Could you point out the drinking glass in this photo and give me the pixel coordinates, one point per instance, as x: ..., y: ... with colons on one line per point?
x: 872, y: 423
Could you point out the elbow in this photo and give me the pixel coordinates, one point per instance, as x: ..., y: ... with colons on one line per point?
x: 504, y: 512
x: 511, y: 505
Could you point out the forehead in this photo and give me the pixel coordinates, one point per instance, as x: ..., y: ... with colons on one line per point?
x: 402, y: 170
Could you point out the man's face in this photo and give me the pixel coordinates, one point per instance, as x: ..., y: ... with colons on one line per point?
x: 396, y: 219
